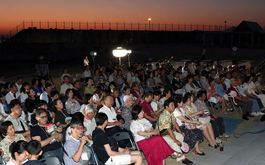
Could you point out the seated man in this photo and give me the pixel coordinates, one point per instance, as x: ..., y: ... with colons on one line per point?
x: 76, y: 152
x: 166, y: 123
x: 103, y: 149
x: 49, y: 139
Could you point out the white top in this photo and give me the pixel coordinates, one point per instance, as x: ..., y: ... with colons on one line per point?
x: 64, y: 87
x: 140, y: 125
x: 17, y: 123
x: 23, y: 97
x: 44, y: 96
x: 10, y: 96
x: 177, y: 113
x: 110, y: 112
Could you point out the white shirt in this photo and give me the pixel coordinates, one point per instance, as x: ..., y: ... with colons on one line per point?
x: 110, y: 112
x: 17, y: 123
x: 44, y: 96
x: 10, y: 96
x: 155, y: 105
x: 140, y: 125
x: 177, y: 113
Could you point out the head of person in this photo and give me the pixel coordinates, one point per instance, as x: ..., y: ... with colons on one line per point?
x: 201, y: 95
x: 18, y: 151
x: 31, y: 93
x: 66, y: 79
x: 157, y: 95
x: 89, y: 112
x: 135, y: 86
x: 78, y: 116
x: 116, y: 93
x: 35, y: 82
x: 58, y: 104
x: 128, y: 100
x: 176, y: 74
x: 148, y: 97
x: 19, y: 80
x: 25, y: 87
x: 187, y: 99
x: 169, y: 105
x: 69, y: 93
x: 137, y: 112
x: 77, y: 129
x: 42, y: 104
x: 15, y: 108
x: 54, y: 94
x: 77, y: 84
x: 33, y: 148
x: 167, y: 93
x: 42, y: 116
x: 7, y: 128
x: 127, y: 90
x: 178, y: 101
x: 48, y: 87
x: 190, y: 78
x: 88, y: 99
x: 108, y: 101
x: 90, y: 81
x: 13, y: 87
x: 101, y: 119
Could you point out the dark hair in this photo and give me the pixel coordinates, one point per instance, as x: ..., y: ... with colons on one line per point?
x: 157, y: 93
x: 78, y: 116
x: 39, y: 111
x: 200, y: 93
x: 22, y: 89
x: 33, y: 147
x: 100, y: 118
x: 87, y: 97
x: 54, y: 92
x: 13, y: 103
x: 55, y: 102
x: 147, y: 94
x: 33, y: 81
x: 166, y: 91
x: 11, y: 85
x: 168, y: 101
x: 135, y: 111
x: 4, y: 127
x: 178, y: 99
x: 75, y: 123
x: 17, y: 147
x: 187, y: 96
x: 68, y: 91
x: 41, y: 103
x: 47, y: 84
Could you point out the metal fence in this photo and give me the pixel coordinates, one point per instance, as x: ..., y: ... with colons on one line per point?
x: 115, y: 26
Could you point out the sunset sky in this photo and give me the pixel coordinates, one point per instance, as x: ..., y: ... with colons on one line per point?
x: 13, y: 12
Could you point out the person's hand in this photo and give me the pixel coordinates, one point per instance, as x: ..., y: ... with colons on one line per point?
x: 155, y: 132
x: 117, y: 123
x: 126, y: 151
x: 197, y: 123
x: 84, y: 140
x: 59, y: 129
x: 178, y: 143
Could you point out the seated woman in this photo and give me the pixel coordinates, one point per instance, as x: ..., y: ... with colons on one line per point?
x: 193, y: 136
x: 145, y: 136
x: 71, y: 104
x: 103, y: 150
x: 8, y: 131
x: 192, y: 112
x: 60, y: 113
x: 18, y: 153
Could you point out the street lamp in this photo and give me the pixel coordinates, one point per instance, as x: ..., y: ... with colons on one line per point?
x: 149, y: 22
x: 120, y: 52
x: 93, y: 54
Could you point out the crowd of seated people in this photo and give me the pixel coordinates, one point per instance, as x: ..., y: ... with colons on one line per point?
x: 174, y: 107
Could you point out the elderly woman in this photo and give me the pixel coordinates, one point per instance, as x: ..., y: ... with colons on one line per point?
x: 192, y: 112
x: 145, y: 136
x: 8, y: 131
x: 89, y: 120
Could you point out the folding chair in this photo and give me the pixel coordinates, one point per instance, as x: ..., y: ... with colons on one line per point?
x: 52, y: 160
x: 123, y: 136
x: 94, y: 158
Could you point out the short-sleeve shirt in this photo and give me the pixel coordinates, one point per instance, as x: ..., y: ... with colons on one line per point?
x: 177, y: 113
x: 140, y: 125
x: 127, y: 116
x: 100, y: 139
x: 111, y: 113
x: 147, y: 108
x: 166, y: 120
x: 18, y: 124
x: 71, y: 146
x: 41, y: 132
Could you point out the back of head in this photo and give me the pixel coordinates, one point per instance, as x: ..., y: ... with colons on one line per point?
x: 33, y: 147
x: 100, y: 118
x: 17, y: 147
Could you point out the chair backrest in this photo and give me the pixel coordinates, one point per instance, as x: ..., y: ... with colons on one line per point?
x: 52, y: 160
x: 123, y: 136
x: 94, y: 157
